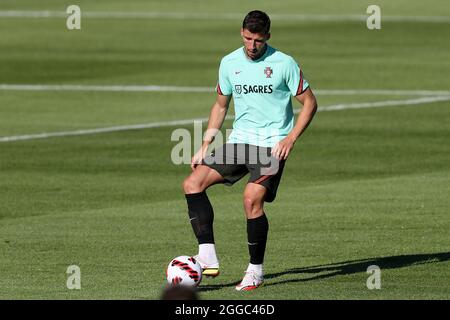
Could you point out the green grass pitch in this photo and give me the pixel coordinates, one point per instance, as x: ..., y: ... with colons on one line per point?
x: 363, y: 186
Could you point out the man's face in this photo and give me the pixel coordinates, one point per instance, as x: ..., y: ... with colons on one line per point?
x: 254, y: 43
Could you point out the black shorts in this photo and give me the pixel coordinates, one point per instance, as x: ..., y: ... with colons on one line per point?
x: 234, y: 160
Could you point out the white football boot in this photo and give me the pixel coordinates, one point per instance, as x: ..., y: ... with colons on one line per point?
x: 251, y: 281
x: 209, y: 270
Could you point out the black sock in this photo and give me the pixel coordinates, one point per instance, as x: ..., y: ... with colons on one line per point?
x: 257, y: 230
x: 201, y: 215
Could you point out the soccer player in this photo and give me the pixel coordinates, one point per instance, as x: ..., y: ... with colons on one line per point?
x: 261, y: 80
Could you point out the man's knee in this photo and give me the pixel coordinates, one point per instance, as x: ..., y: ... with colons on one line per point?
x: 192, y: 185
x: 249, y: 201
x: 252, y: 204
x: 253, y: 200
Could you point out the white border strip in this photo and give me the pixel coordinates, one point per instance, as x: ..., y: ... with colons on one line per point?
x: 377, y: 104
x: 158, y: 88
x: 216, y: 16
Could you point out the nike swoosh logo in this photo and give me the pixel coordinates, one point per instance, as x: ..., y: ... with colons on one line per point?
x: 192, y: 219
x: 237, y: 72
x: 252, y: 244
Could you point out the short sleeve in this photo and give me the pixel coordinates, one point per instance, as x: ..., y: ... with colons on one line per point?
x: 294, y: 78
x: 224, y: 87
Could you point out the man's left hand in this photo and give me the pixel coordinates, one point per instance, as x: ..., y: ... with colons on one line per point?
x: 282, y: 148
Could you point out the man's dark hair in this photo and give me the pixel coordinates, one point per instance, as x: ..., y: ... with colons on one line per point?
x: 257, y: 22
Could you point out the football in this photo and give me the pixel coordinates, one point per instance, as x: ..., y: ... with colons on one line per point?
x: 184, y: 270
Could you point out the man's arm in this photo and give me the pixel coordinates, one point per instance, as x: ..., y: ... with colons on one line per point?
x: 216, y: 118
x: 308, y: 100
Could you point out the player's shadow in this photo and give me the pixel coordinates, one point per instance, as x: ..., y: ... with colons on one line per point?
x: 344, y: 268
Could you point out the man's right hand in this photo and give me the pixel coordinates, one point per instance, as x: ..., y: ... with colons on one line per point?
x: 199, y: 156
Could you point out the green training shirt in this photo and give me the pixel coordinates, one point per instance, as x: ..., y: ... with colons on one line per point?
x: 262, y: 91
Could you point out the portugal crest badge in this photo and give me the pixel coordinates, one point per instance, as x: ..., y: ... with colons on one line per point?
x: 268, y: 72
